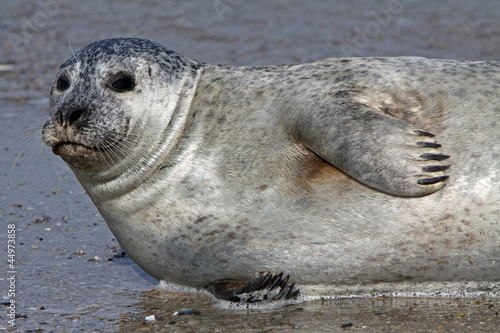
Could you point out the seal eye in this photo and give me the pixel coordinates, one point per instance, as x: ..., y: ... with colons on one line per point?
x: 62, y: 84
x: 122, y: 84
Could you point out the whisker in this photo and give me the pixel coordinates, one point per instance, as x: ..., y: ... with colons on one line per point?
x: 122, y: 147
x: 71, y: 48
x: 106, y: 156
x: 109, y: 147
x: 116, y: 49
x: 39, y: 146
x: 33, y: 145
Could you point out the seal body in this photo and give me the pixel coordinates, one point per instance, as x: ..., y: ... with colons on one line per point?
x: 326, y: 171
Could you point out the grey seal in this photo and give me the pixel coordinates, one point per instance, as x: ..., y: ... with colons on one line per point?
x: 338, y: 177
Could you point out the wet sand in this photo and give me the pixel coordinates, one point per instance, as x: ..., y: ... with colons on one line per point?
x: 366, y: 315
x: 70, y: 271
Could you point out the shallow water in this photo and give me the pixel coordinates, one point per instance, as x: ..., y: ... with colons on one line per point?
x: 368, y: 315
x: 65, y: 280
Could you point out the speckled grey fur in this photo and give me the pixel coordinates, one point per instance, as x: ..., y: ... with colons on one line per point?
x: 207, y: 172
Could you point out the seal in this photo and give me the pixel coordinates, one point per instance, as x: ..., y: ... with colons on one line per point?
x: 347, y: 175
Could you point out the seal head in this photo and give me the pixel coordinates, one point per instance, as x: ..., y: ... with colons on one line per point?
x: 98, y: 90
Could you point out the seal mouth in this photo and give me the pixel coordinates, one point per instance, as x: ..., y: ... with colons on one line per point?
x: 72, y: 148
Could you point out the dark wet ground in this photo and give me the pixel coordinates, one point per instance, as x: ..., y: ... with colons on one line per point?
x: 367, y: 315
x: 70, y: 274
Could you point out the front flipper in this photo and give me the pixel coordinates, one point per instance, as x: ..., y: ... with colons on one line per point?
x: 378, y: 150
x: 264, y: 286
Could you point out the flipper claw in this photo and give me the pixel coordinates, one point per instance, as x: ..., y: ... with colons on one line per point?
x: 264, y: 286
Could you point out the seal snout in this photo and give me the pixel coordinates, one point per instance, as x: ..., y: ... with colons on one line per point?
x: 62, y: 132
x: 63, y: 127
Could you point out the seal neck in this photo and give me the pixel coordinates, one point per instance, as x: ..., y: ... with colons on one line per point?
x: 125, y: 180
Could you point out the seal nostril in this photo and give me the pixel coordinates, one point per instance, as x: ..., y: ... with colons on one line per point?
x: 74, y: 115
x: 59, y: 117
